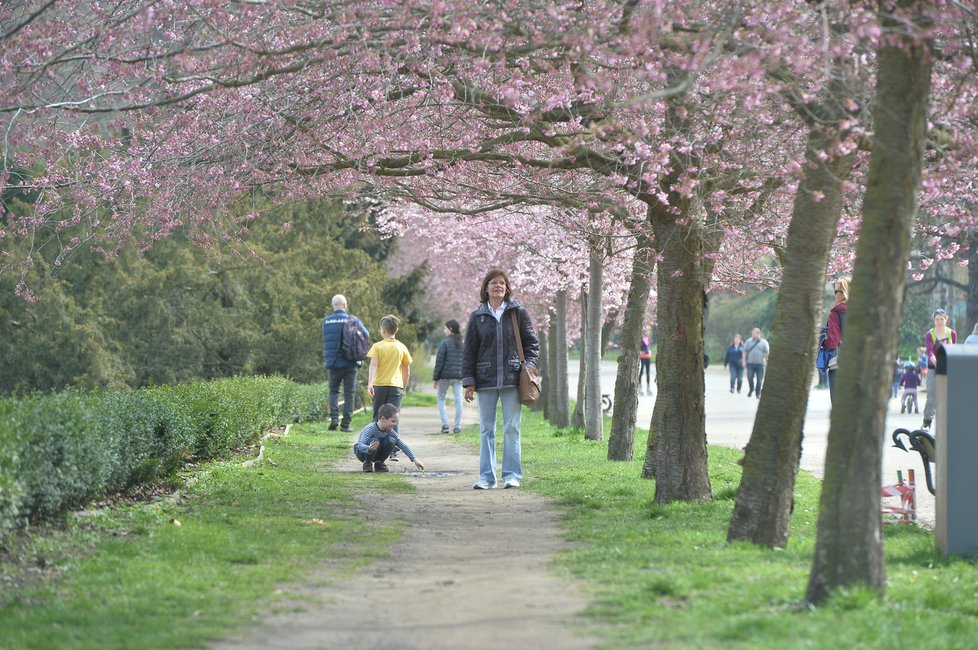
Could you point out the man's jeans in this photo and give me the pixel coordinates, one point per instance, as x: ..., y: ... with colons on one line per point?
x: 348, y: 377
x: 512, y: 414
x: 456, y: 385
x: 755, y: 377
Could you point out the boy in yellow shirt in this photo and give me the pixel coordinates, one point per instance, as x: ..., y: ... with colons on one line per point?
x: 390, y: 367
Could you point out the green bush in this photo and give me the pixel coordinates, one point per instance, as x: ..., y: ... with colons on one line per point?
x: 11, y: 491
x: 61, y: 450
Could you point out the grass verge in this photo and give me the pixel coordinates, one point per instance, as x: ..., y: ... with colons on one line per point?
x: 665, y: 577
x: 179, y: 572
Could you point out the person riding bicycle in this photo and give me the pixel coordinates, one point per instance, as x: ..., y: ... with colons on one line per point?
x: 910, y: 382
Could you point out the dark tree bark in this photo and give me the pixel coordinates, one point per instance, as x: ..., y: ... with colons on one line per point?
x: 621, y: 441
x: 763, y: 507
x: 676, y: 452
x: 848, y: 547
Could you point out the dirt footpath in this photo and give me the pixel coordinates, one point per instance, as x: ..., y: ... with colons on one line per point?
x: 473, y: 570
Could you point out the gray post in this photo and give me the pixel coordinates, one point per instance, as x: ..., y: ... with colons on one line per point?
x: 956, y: 435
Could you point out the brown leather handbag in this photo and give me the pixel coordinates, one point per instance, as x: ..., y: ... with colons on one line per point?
x: 531, y: 383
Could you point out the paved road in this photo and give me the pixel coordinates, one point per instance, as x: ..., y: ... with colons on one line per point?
x: 730, y: 419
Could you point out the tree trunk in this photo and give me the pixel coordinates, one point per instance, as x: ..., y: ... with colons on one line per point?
x: 549, y: 385
x: 543, y: 404
x: 621, y: 441
x: 593, y: 416
x: 676, y: 452
x: 848, y: 546
x: 607, y: 329
x: 972, y: 287
x: 764, y: 500
x: 577, y: 419
x: 559, y: 408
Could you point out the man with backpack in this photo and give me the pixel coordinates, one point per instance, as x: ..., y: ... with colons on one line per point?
x: 345, y: 345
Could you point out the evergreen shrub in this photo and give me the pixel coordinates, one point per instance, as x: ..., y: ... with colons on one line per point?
x: 59, y: 451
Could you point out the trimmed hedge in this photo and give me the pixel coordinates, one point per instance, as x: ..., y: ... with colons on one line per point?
x: 60, y: 451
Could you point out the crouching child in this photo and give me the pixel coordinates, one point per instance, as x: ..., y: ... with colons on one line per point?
x: 378, y: 439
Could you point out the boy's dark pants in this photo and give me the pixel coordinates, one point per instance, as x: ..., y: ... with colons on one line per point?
x: 380, y: 454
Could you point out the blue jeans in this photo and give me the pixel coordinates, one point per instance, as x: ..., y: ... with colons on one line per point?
x: 755, y: 377
x: 456, y: 385
x: 736, y: 376
x: 509, y: 396
x: 348, y: 377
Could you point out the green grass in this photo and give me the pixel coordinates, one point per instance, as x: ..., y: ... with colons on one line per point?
x: 174, y: 575
x: 657, y: 576
x: 665, y: 577
x: 421, y: 398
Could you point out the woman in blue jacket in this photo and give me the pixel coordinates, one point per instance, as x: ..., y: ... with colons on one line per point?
x: 491, y: 367
x: 734, y: 360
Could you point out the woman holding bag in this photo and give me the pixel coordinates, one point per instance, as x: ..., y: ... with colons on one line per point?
x: 491, y: 368
x: 834, y: 326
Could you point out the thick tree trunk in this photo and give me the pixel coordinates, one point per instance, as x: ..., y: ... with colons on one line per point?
x: 593, y: 416
x: 848, y: 547
x: 577, y: 419
x: 764, y: 500
x: 676, y: 453
x: 621, y: 441
x: 559, y: 415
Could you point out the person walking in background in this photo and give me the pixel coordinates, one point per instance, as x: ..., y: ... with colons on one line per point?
x: 910, y: 382
x: 897, y: 377
x: 378, y: 440
x: 390, y: 368
x: 922, y: 362
x: 645, y: 363
x: 448, y: 374
x: 756, y: 351
x: 933, y: 340
x: 833, y: 329
x: 491, y: 367
x: 340, y: 370
x: 734, y: 360
x: 973, y: 337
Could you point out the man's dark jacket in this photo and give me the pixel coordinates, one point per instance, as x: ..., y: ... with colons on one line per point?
x: 332, y: 334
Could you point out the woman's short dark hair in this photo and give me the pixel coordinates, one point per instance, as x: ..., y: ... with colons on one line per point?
x: 484, y: 290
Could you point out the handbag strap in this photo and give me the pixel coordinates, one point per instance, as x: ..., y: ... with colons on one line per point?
x: 519, y: 340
